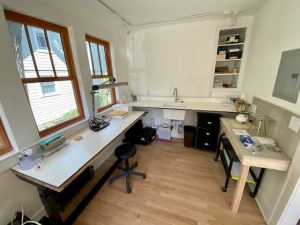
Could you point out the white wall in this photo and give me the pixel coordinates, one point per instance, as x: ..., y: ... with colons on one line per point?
x: 286, y: 210
x: 177, y: 55
x: 275, y: 29
x: 80, y: 17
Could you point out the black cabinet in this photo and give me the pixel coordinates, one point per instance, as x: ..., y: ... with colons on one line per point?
x: 208, y: 126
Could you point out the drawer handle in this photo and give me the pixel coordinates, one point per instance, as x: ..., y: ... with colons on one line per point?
x: 209, y: 122
x: 206, y: 144
x: 207, y: 134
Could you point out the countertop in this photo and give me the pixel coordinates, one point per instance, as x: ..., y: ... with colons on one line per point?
x: 60, y: 168
x: 197, y: 104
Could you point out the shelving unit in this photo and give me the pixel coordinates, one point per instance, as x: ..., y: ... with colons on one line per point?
x: 229, y: 57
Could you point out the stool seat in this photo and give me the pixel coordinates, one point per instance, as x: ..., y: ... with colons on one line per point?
x: 125, y: 151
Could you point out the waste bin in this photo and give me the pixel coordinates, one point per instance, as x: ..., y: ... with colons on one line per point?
x: 189, y: 136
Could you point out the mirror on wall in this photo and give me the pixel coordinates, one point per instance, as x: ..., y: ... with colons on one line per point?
x: 287, y: 83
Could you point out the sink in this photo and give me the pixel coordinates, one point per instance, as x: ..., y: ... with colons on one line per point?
x: 174, y: 114
x: 174, y: 104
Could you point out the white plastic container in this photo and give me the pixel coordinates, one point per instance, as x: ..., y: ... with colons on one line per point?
x: 164, y: 133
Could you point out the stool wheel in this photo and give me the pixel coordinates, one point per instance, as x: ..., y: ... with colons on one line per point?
x: 129, y: 190
x: 224, y: 189
x: 144, y: 176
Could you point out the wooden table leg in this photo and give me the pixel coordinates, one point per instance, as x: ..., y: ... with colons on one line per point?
x: 240, y: 188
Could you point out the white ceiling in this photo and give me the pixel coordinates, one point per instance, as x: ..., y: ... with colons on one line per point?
x: 139, y: 12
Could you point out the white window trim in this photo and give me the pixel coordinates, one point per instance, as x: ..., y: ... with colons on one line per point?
x: 9, y: 159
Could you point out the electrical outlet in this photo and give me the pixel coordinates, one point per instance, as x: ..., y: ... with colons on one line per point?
x: 253, y: 108
x: 294, y: 124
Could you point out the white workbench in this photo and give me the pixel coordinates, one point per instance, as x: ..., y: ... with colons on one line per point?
x: 61, y: 168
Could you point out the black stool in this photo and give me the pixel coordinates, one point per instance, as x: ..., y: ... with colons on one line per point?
x: 125, y: 152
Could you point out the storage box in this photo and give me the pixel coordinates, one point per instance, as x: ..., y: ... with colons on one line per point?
x: 122, y: 107
x: 164, y: 133
x: 234, y: 55
x: 221, y: 57
x: 222, y: 69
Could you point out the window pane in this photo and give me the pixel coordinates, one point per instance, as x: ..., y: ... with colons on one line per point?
x: 21, y: 49
x: 103, y: 60
x: 48, y: 88
x: 89, y: 57
x: 58, y: 54
x: 95, y: 58
x: 50, y: 110
x: 41, y: 52
x: 104, y: 97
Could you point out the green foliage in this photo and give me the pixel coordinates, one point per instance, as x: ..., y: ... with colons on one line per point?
x: 66, y: 116
x: 104, y: 97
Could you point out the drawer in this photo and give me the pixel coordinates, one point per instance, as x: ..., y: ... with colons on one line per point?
x: 207, y: 140
x: 206, y: 143
x: 208, y: 133
x: 209, y: 122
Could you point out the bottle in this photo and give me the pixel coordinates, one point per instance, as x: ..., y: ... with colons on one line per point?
x: 180, y: 128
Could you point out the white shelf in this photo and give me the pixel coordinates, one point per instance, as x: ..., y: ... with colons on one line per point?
x: 232, y: 63
x: 225, y: 89
x: 226, y: 74
x: 233, y: 44
x: 228, y: 60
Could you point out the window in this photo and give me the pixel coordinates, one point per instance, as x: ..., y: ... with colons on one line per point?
x: 48, y: 88
x: 101, y: 70
x: 45, y: 65
x: 4, y: 142
x: 41, y: 40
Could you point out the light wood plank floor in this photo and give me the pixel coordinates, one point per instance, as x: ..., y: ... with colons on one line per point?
x: 182, y: 188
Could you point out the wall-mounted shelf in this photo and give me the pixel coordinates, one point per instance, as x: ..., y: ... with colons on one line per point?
x: 226, y: 74
x: 229, y: 59
x: 224, y: 45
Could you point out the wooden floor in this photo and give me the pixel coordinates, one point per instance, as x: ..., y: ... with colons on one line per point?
x: 182, y: 188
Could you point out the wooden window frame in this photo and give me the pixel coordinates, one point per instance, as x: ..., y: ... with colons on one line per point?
x: 4, y: 139
x: 106, y: 45
x: 64, y: 34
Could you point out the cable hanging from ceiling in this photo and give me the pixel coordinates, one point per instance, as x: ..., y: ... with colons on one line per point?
x: 128, y: 25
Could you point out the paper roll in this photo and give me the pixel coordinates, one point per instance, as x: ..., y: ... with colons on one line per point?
x: 243, y: 96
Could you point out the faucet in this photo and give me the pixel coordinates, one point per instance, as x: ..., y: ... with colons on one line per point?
x: 175, y: 92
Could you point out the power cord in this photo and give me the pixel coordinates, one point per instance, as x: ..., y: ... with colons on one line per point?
x: 22, y: 217
x: 31, y: 222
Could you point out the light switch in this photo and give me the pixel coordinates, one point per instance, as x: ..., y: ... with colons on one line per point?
x: 294, y: 124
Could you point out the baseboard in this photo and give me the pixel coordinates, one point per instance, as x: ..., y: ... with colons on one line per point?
x: 259, y: 197
x: 38, y: 215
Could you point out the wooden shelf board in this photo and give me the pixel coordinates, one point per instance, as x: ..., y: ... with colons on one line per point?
x: 226, y: 74
x: 224, y: 89
x: 224, y: 45
x: 226, y: 60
